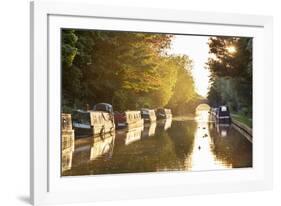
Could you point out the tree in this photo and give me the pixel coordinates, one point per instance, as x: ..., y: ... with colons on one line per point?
x: 231, y: 73
x: 184, y: 90
x: 129, y: 70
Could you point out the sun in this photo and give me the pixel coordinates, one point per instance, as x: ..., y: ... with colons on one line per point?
x: 231, y: 49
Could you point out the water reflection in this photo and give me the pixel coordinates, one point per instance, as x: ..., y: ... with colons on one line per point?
x: 102, y: 145
x: 223, y: 129
x: 203, y: 157
x: 66, y: 159
x: 178, y: 145
x: 67, y: 149
x: 232, y: 148
x: 149, y: 130
x: 165, y: 123
x: 131, y: 135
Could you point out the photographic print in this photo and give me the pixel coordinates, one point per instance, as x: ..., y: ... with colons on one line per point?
x: 135, y: 102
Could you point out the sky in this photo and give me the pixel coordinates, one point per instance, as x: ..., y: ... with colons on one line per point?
x: 197, y: 49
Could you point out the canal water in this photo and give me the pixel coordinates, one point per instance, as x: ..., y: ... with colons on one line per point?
x: 181, y: 144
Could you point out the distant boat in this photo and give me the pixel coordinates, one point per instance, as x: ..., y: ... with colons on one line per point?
x: 148, y: 115
x: 128, y: 119
x: 223, y: 115
x: 163, y: 113
x: 214, y: 111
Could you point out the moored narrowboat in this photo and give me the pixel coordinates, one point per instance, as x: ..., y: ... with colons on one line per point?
x: 163, y: 113
x: 91, y: 122
x: 223, y: 115
x: 67, y: 141
x: 213, y: 113
x: 128, y: 119
x: 67, y: 133
x: 148, y: 115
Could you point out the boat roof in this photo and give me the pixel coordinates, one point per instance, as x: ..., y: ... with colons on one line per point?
x: 88, y: 111
x: 107, y: 104
x: 146, y: 109
x: 81, y: 111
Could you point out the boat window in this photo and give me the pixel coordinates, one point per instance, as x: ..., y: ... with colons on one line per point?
x: 223, y: 108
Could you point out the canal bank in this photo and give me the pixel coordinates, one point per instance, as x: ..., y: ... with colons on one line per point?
x: 244, y: 129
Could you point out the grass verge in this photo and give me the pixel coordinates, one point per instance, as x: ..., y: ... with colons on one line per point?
x: 243, y: 119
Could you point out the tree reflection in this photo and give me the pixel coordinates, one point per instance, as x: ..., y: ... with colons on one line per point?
x: 231, y: 148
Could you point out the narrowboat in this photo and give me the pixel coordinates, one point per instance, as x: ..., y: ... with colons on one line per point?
x: 128, y: 119
x: 163, y: 113
x: 213, y: 113
x: 223, y: 115
x: 88, y: 123
x: 148, y: 115
x: 67, y: 141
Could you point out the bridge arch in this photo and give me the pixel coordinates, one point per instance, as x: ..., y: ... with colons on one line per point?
x: 202, y: 106
x: 202, y: 103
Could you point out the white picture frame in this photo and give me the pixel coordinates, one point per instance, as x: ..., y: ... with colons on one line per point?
x: 47, y: 18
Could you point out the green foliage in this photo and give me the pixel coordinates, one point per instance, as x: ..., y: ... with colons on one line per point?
x: 71, y: 74
x: 126, y: 69
x: 184, y: 90
x: 69, y: 49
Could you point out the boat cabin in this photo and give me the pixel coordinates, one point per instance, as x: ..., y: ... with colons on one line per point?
x: 223, y: 115
x: 163, y: 113
x: 92, y: 122
x: 128, y: 119
x: 148, y: 115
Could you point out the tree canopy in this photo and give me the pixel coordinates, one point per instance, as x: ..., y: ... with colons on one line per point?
x: 129, y: 70
x: 230, y: 65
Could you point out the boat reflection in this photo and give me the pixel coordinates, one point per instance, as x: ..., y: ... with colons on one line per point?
x: 149, y: 130
x: 102, y: 146
x: 165, y: 123
x: 66, y: 159
x: 67, y: 142
x: 223, y: 129
x: 93, y: 147
x: 230, y: 147
x: 132, y: 135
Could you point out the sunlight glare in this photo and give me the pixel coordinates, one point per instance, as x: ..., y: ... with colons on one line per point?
x: 197, y: 49
x: 231, y: 49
